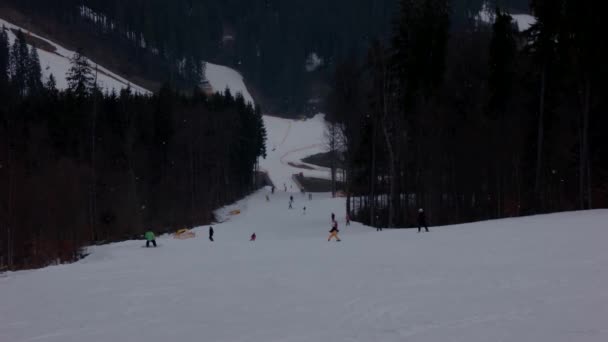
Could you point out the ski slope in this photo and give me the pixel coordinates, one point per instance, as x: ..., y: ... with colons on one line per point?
x: 57, y: 63
x: 542, y: 278
x: 221, y: 78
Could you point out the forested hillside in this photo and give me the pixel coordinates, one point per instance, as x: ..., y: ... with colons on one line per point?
x: 80, y: 167
x: 475, y: 122
x: 285, y: 49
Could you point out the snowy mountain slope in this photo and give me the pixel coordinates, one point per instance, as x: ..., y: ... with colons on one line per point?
x: 57, y: 63
x: 523, y: 21
x: 221, y: 77
x: 289, y: 141
x: 539, y: 278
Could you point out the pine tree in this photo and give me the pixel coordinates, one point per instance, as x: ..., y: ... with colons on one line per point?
x: 19, y: 63
x: 502, y: 56
x: 4, y: 56
x: 80, y: 77
x: 34, y: 72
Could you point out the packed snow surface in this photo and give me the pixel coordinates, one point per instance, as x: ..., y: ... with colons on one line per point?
x: 288, y: 142
x: 57, y: 63
x: 222, y: 78
x: 542, y: 278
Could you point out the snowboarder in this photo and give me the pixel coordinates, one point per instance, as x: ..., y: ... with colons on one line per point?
x: 422, y: 220
x: 211, y: 232
x: 333, y: 233
x: 150, y: 238
x: 253, y: 237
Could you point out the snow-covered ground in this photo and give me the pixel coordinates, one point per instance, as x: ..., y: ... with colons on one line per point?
x: 534, y: 279
x: 289, y: 141
x: 523, y: 21
x: 57, y: 63
x: 221, y: 77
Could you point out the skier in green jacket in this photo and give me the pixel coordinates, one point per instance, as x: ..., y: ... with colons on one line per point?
x: 150, y: 238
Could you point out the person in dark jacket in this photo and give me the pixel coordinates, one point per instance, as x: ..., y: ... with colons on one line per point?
x: 422, y: 220
x: 211, y: 234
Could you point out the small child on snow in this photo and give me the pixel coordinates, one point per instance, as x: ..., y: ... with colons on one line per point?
x: 150, y: 238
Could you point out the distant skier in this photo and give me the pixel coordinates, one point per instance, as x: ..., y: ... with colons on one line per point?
x: 272, y: 189
x: 310, y: 196
x: 285, y: 185
x: 333, y: 233
x: 211, y: 232
x: 347, y: 220
x: 304, y: 211
x: 290, y: 205
x: 290, y: 198
x: 422, y: 220
x: 333, y: 217
x: 150, y: 238
x: 267, y: 198
x: 253, y: 237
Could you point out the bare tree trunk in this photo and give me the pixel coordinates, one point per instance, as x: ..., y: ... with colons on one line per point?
x: 584, y: 146
x: 391, y: 158
x: 11, y: 206
x: 93, y: 181
x: 540, y: 139
x: 372, y: 206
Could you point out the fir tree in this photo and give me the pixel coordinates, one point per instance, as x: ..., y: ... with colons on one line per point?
x: 80, y: 77
x: 4, y: 56
x: 502, y: 56
x: 19, y: 63
x: 34, y: 72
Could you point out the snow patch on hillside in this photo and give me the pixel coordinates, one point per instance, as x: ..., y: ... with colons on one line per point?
x: 221, y: 78
x: 523, y: 21
x: 57, y: 63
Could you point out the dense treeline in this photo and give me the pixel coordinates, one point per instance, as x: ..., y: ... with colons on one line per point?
x: 475, y: 122
x: 270, y: 41
x: 79, y: 167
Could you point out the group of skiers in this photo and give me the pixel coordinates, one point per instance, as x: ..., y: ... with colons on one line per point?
x: 333, y: 233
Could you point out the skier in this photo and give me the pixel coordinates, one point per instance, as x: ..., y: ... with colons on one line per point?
x: 272, y: 189
x: 285, y: 185
x: 304, y: 211
x: 347, y: 220
x: 333, y: 217
x: 150, y: 238
x: 267, y: 198
x: 310, y: 196
x: 290, y: 204
x: 290, y: 198
x: 253, y: 237
x: 333, y: 233
x: 211, y: 234
x: 422, y: 220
